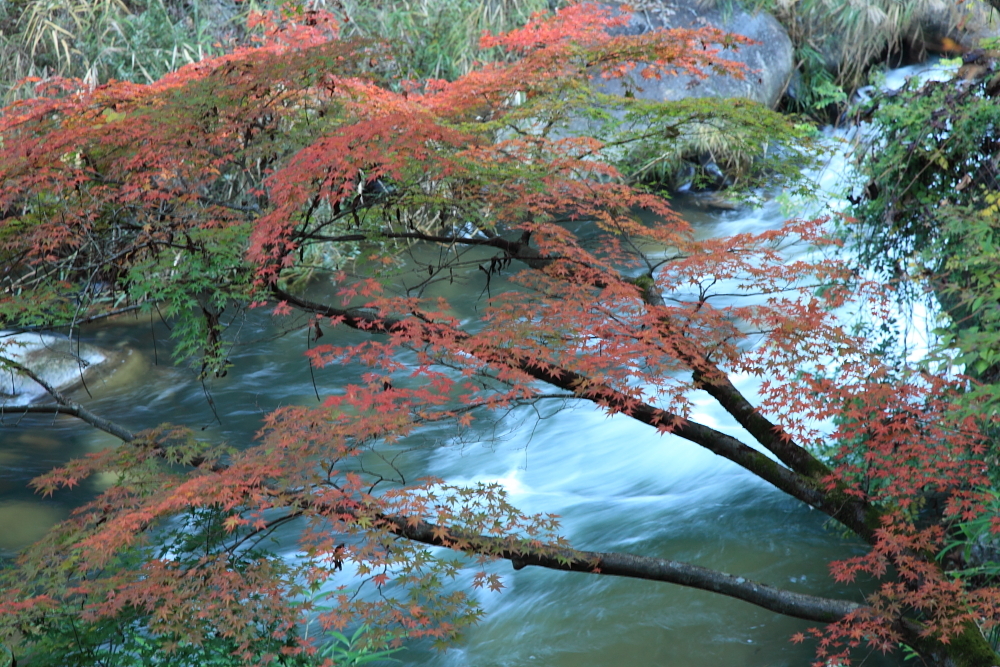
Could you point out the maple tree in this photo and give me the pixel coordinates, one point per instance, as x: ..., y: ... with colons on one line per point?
x: 207, y: 190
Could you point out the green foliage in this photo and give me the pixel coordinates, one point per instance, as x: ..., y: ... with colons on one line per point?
x: 926, y: 208
x: 926, y: 180
x: 354, y: 650
x: 909, y: 653
x: 976, y: 542
x: 437, y: 38
x: 198, y: 289
x: 360, y: 648
x: 137, y: 635
x: 817, y: 89
x: 753, y: 146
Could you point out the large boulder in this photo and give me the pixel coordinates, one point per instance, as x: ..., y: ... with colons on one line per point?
x: 942, y: 26
x: 769, y: 63
x: 61, y: 362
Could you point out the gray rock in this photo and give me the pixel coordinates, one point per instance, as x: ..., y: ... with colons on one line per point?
x: 715, y: 202
x: 770, y: 63
x: 945, y: 21
x: 58, y: 360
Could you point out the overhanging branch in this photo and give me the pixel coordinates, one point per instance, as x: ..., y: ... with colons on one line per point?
x: 707, y: 375
x: 798, y: 605
x: 64, y: 405
x: 851, y: 512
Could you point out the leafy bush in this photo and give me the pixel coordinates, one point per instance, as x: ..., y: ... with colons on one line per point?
x: 926, y: 201
x: 138, y: 635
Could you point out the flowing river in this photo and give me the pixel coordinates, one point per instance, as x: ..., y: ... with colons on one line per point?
x: 617, y: 485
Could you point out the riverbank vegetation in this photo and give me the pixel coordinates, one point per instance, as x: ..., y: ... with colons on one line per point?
x: 201, y: 193
x: 836, y: 43
x: 141, y: 40
x: 926, y: 200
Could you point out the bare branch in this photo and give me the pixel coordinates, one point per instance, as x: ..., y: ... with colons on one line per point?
x: 797, y: 605
x: 65, y: 405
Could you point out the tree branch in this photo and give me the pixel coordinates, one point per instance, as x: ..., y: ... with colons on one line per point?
x: 849, y: 511
x: 772, y: 436
x: 707, y: 376
x: 76, y: 410
x: 788, y: 603
x: 65, y: 405
x: 514, y: 249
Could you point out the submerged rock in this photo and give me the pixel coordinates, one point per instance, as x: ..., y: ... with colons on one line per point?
x: 24, y: 522
x: 715, y: 201
x: 62, y: 362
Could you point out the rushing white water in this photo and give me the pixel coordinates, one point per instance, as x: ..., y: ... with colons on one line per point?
x: 57, y: 360
x: 617, y: 485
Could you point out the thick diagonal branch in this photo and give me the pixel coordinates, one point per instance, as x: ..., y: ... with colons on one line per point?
x: 707, y: 375
x: 851, y: 512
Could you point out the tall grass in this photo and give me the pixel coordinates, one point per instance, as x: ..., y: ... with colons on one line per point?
x: 98, y: 40
x: 437, y: 38
x: 848, y: 36
x: 140, y: 40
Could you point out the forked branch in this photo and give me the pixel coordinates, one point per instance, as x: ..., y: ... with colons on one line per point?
x: 63, y: 405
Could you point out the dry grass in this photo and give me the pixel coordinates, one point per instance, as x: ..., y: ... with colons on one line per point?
x: 858, y: 32
x: 50, y: 27
x: 140, y: 40
x: 851, y: 35
x: 96, y: 40
x: 698, y: 143
x: 436, y: 38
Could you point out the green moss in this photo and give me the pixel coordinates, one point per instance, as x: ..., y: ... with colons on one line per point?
x: 969, y: 649
x: 644, y: 282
